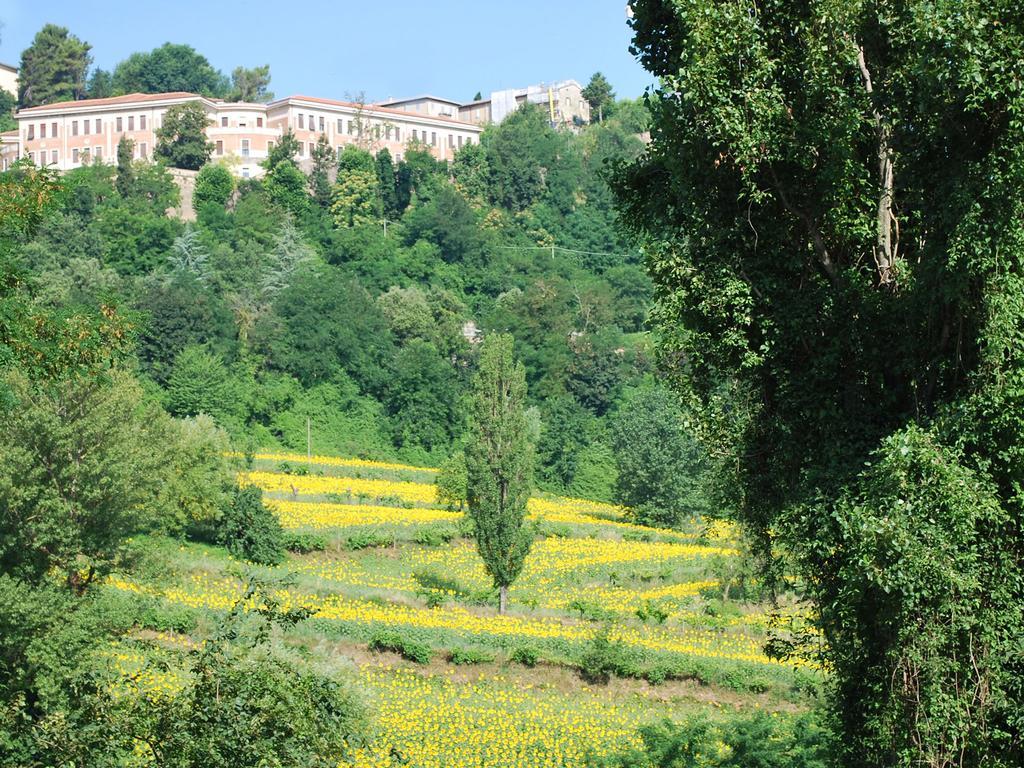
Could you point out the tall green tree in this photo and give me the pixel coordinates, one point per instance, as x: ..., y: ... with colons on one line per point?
x: 319, y: 177
x: 171, y: 67
x: 53, y: 68
x: 181, y: 137
x: 661, y: 468
x: 499, y: 463
x: 101, y: 84
x: 388, y: 188
x: 214, y: 185
x: 252, y: 85
x: 599, y: 94
x: 356, y: 194
x: 125, y: 180
x: 831, y: 206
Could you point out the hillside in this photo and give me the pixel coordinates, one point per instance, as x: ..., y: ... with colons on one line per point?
x: 477, y: 688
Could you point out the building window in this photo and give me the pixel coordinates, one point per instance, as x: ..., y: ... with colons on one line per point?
x: 74, y: 156
x: 143, y: 150
x: 398, y: 134
x: 142, y: 122
x: 312, y: 123
x: 259, y: 122
x: 460, y: 142
x: 302, y: 148
x: 302, y: 122
x: 53, y: 157
x: 119, y: 124
x: 414, y: 134
x: 131, y: 122
x: 245, y: 172
x: 97, y: 154
x: 433, y: 139
x: 242, y: 124
x: 339, y: 153
x: 86, y: 125
x: 312, y: 146
x: 245, y: 147
x: 321, y: 124
x: 42, y: 130
x: 99, y: 125
x: 341, y: 125
x: 223, y: 122
x: 270, y: 146
x: 220, y: 148
x: 85, y: 154
x: 451, y: 140
x: 74, y: 127
x: 31, y: 132
x: 53, y: 130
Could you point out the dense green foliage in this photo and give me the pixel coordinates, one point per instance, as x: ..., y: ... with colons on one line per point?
x: 757, y: 741
x: 166, y: 69
x: 499, y: 463
x: 832, y: 205
x: 53, y: 68
x: 249, y: 530
x: 181, y: 138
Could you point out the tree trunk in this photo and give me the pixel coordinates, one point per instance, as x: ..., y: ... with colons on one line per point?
x: 502, y: 599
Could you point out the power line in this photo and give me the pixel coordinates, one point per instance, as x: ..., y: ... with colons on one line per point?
x: 552, y: 248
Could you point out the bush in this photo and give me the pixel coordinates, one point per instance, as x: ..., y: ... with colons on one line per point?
x: 249, y: 530
x: 606, y: 657
x: 462, y: 656
x: 166, y: 617
x: 525, y: 655
x: 590, y: 611
x: 434, y: 535
x: 741, y: 742
x: 394, y: 642
x: 368, y: 539
x: 652, y: 610
x: 214, y: 185
x: 303, y: 543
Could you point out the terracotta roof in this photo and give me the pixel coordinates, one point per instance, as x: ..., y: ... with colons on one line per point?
x: 128, y: 98
x: 372, y: 108
x: 10, y: 134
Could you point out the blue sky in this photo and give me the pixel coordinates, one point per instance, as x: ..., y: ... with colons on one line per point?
x: 384, y: 48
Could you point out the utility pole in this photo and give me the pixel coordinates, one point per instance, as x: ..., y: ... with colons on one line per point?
x: 309, y: 445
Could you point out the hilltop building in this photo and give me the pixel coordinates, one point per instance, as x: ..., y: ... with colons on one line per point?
x: 562, y: 100
x: 9, y: 78
x: 69, y: 134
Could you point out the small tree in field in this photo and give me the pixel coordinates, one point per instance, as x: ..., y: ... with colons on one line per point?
x: 499, y: 463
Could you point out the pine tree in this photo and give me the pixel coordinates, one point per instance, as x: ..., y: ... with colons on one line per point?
x: 599, y: 94
x: 53, y: 68
x: 499, y: 463
x: 188, y: 254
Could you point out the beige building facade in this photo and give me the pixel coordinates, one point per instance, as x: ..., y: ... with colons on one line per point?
x: 71, y: 134
x: 9, y: 79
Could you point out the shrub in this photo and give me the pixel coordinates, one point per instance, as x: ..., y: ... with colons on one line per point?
x: 303, y: 543
x: 606, y: 657
x: 462, y: 656
x: 394, y: 642
x: 367, y: 539
x: 590, y: 611
x: 434, y: 535
x: 214, y: 185
x: 652, y: 610
x: 167, y: 617
x: 759, y: 740
x: 525, y: 655
x: 249, y: 530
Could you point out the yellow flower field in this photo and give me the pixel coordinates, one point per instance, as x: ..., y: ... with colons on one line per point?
x: 323, y: 516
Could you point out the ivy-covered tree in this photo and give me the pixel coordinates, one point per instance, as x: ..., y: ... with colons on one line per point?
x: 499, y: 464
x: 319, y: 177
x: 831, y: 206
x: 387, y: 182
x: 181, y: 138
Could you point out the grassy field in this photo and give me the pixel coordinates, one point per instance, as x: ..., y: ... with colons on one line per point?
x: 398, y: 593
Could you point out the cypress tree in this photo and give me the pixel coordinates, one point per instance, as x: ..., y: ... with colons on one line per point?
x: 125, y: 173
x: 499, y: 463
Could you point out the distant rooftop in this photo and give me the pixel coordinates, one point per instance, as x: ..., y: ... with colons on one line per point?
x: 424, y: 97
x: 128, y: 98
